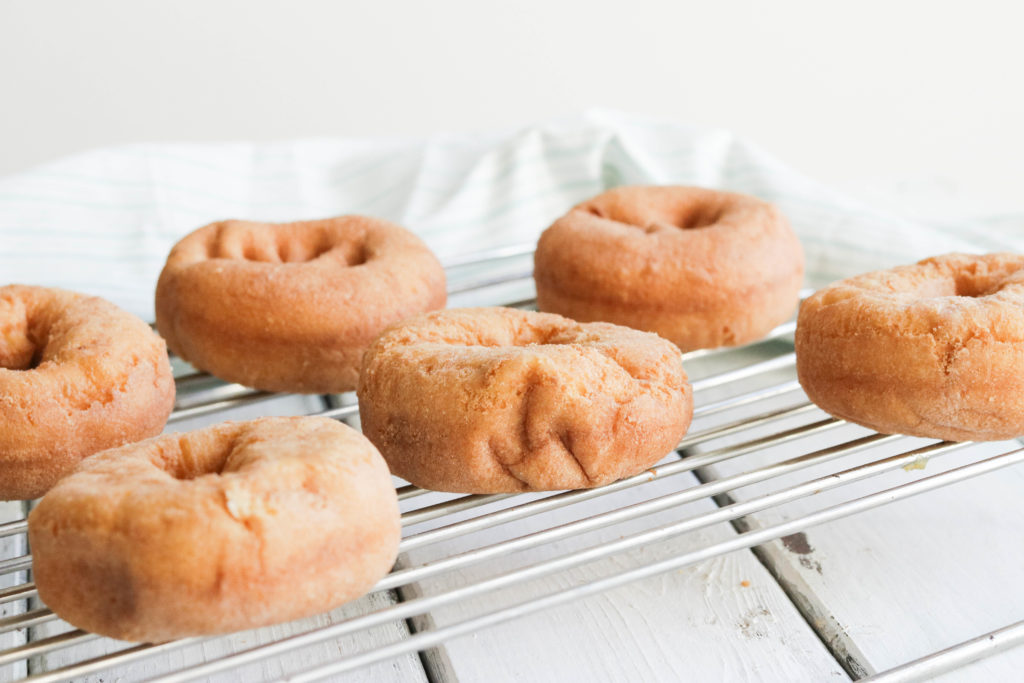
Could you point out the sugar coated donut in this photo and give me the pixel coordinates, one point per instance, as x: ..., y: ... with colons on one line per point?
x: 934, y: 349
x: 701, y: 268
x: 77, y: 375
x: 230, y: 527
x: 292, y: 306
x: 492, y: 400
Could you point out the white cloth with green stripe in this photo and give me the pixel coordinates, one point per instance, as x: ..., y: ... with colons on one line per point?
x: 102, y: 222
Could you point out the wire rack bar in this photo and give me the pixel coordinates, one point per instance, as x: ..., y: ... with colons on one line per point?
x: 494, y: 254
x: 784, y: 361
x: 409, y: 491
x: 214, y: 395
x: 40, y: 647
x: 219, y: 405
x: 340, y: 413
x: 429, y: 639
x: 26, y: 619
x: 464, y: 503
x: 967, y: 652
x: 525, y: 274
x: 746, y: 399
x: 99, y: 664
x: 535, y: 507
x: 570, y: 497
x: 417, y: 606
x: 15, y: 564
x: 15, y: 593
x: 200, y: 388
x: 200, y: 394
x: 12, y: 528
x: 624, y: 514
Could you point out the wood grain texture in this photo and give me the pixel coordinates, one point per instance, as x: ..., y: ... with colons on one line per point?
x: 902, y: 581
x: 725, y: 619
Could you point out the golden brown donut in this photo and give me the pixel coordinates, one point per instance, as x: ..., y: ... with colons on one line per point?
x: 230, y: 527
x: 292, y: 306
x: 491, y: 400
x: 77, y: 375
x: 934, y: 349
x: 700, y: 267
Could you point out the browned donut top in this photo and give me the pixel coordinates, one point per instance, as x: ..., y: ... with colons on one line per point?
x: 669, y: 212
x: 298, y: 279
x: 632, y: 244
x: 236, y: 469
x: 70, y: 349
x: 956, y: 296
x: 41, y: 328
x: 478, y: 338
x: 321, y: 249
x: 344, y: 241
x: 487, y: 400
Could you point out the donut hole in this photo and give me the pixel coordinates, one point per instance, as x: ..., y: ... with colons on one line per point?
x: 293, y: 243
x: 975, y: 285
x: 509, y: 337
x: 186, y: 459
x: 19, y: 349
x: 686, y: 216
x: 697, y: 216
x: 276, y: 247
x: 28, y: 357
x: 255, y: 252
x: 356, y: 254
x: 970, y: 285
x: 290, y: 250
x: 353, y: 253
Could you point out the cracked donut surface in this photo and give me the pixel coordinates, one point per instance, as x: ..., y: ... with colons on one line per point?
x: 934, y: 349
x: 230, y: 527
x: 292, y: 306
x: 491, y: 400
x: 700, y: 267
x: 77, y: 375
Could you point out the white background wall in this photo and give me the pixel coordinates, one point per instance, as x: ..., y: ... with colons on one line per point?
x: 921, y: 96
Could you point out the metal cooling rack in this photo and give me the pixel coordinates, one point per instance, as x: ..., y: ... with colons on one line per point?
x: 757, y: 383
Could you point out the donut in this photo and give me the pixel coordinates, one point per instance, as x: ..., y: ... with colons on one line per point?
x: 934, y: 349
x: 497, y: 400
x: 700, y: 267
x: 77, y: 375
x: 231, y: 527
x: 292, y: 306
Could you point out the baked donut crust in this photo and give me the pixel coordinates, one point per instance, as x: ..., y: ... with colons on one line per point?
x: 292, y: 306
x: 933, y: 349
x: 77, y: 375
x: 700, y: 267
x: 496, y: 400
x: 230, y: 527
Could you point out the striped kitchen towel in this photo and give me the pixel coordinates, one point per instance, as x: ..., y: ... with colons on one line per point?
x: 102, y: 222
